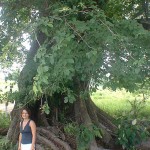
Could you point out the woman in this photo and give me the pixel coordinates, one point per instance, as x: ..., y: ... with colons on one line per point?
x: 27, y: 135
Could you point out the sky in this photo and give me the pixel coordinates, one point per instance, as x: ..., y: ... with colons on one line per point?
x: 2, y: 76
x: 15, y: 65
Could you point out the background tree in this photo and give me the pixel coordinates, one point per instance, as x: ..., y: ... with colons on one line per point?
x: 75, y: 47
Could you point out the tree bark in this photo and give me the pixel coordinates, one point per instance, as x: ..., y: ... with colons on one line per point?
x: 82, y: 117
x: 13, y: 131
x: 46, y: 142
x: 87, y: 113
x: 52, y: 137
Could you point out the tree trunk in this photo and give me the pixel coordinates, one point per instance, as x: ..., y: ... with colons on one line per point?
x: 82, y: 117
x: 13, y: 131
x: 25, y: 80
x: 87, y: 113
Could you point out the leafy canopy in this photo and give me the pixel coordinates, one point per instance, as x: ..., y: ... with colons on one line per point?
x: 84, y: 44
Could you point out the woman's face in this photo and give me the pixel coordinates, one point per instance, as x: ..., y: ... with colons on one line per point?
x: 25, y: 114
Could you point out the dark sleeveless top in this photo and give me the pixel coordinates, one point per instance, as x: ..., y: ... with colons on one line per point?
x: 26, y: 133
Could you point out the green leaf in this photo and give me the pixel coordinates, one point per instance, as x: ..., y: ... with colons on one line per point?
x: 66, y: 100
x: 46, y: 108
x: 137, y: 70
x: 134, y: 122
x: 67, y: 72
x: 35, y: 89
x: 51, y: 58
x: 50, y: 24
x: 45, y: 68
x: 70, y: 61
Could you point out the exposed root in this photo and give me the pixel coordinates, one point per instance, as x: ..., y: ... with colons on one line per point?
x: 48, y: 143
x: 39, y: 147
x: 50, y: 140
x: 83, y: 117
x: 104, y: 118
x: 57, y: 131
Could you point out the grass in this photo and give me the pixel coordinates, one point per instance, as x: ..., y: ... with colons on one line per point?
x: 116, y: 102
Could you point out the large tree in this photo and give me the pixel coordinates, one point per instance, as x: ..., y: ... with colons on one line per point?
x: 75, y: 47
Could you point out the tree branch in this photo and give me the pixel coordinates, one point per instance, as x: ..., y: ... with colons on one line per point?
x: 79, y: 35
x: 1, y: 4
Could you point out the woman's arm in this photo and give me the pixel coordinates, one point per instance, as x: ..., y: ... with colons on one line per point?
x: 33, y: 130
x: 19, y: 144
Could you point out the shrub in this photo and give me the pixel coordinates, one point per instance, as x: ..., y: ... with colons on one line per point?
x: 4, y: 120
x: 6, y: 145
x: 131, y: 131
x: 83, y: 134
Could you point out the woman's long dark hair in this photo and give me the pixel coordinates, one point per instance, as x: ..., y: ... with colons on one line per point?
x: 28, y: 110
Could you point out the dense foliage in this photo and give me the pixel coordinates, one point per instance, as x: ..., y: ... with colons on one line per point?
x: 4, y: 120
x: 6, y: 145
x: 82, y: 41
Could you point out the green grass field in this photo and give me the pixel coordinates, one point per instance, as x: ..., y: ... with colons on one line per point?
x: 116, y: 102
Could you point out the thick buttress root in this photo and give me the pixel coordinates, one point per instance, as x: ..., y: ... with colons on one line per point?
x: 49, y: 141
